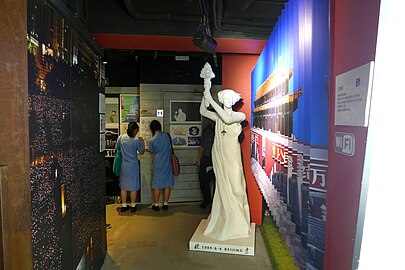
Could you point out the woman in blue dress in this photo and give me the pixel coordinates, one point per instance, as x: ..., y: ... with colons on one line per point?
x: 160, y: 147
x: 130, y: 146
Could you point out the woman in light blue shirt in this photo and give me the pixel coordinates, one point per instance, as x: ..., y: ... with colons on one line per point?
x: 130, y: 146
x: 160, y: 147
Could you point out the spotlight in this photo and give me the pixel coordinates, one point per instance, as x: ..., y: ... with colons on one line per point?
x: 203, y: 38
x: 207, y: 43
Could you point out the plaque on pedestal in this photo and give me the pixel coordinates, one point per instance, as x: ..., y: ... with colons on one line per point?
x: 239, y: 246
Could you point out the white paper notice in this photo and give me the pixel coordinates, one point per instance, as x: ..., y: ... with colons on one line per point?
x: 101, y: 103
x: 102, y: 123
x: 352, y: 98
x: 102, y: 142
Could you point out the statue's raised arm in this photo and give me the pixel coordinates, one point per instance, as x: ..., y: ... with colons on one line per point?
x: 207, y: 74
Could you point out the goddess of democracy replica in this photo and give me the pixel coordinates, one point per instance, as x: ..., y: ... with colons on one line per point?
x: 230, y: 216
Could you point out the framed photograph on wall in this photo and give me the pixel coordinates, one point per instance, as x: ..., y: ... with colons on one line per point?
x: 186, y: 135
x: 129, y: 108
x: 185, y: 111
x: 112, y: 113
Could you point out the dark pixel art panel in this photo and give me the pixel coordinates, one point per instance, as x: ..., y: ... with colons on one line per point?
x: 67, y: 169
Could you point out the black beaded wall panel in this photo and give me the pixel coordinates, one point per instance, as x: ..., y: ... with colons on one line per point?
x: 67, y: 168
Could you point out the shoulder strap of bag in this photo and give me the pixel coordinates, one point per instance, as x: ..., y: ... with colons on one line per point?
x: 171, y: 145
x: 119, y: 143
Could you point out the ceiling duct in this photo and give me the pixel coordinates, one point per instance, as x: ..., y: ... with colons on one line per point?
x: 232, y: 18
x: 133, y: 9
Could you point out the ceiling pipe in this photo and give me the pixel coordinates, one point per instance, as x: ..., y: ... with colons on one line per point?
x: 132, y: 10
x: 274, y: 3
x: 217, y: 8
x: 245, y: 5
x: 217, y: 12
x: 233, y: 25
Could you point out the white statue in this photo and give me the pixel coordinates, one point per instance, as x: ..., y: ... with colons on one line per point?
x: 230, y: 216
x: 180, y: 116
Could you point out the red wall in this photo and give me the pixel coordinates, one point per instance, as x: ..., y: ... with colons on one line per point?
x: 236, y: 70
x: 353, y: 43
x: 172, y: 43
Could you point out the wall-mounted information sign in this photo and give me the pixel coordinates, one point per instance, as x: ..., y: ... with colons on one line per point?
x: 352, y: 98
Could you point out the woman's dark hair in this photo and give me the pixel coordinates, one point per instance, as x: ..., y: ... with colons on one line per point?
x: 131, y: 127
x: 155, y: 125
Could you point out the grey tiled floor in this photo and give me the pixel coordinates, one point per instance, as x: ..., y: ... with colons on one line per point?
x: 159, y: 240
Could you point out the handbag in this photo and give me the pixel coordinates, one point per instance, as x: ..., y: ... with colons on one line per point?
x: 118, y: 158
x: 174, y: 160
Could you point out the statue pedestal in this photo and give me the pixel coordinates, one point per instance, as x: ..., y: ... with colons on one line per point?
x: 239, y: 246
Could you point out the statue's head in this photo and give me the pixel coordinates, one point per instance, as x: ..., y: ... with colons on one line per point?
x: 228, y: 97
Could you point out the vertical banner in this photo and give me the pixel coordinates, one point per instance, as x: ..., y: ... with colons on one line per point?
x: 289, y: 124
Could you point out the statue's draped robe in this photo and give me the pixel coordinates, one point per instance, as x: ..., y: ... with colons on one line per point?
x: 230, y: 216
